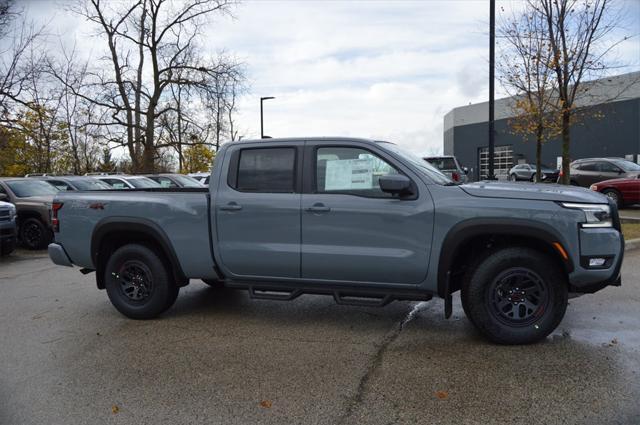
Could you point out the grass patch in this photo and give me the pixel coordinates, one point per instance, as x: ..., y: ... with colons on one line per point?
x: 631, y: 230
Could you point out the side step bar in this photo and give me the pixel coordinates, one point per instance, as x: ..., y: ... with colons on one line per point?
x: 366, y: 297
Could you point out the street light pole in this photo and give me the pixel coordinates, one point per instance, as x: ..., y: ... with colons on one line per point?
x: 262, y: 99
x: 492, y: 58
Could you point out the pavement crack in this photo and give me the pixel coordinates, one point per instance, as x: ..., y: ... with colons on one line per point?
x: 376, y: 360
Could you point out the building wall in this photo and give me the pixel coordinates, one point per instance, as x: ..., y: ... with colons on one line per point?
x: 615, y: 131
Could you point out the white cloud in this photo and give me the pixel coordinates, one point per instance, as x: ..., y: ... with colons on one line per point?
x: 387, y: 70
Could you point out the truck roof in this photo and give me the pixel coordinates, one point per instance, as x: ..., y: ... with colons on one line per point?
x: 315, y: 139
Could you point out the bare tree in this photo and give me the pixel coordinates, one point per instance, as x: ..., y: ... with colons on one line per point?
x: 20, y: 38
x: 577, y: 32
x: 152, y: 46
x: 524, y: 73
x: 78, y: 116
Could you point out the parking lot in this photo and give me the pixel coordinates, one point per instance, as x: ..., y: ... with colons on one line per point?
x: 218, y: 357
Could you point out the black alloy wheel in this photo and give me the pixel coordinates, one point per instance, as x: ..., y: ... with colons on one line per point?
x: 517, y: 296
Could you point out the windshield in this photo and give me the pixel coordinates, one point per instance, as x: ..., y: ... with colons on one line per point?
x: 626, y: 165
x: 443, y: 163
x: 143, y: 182
x: 90, y: 184
x: 187, y: 181
x: 26, y: 188
x: 432, y: 172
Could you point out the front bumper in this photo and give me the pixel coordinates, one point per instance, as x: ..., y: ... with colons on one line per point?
x: 58, y: 255
x: 588, y: 281
x: 8, y: 232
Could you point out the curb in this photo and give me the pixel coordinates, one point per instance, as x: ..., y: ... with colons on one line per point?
x: 632, y: 245
x: 629, y: 220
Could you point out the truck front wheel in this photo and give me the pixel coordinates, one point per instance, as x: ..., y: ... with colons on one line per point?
x: 137, y: 282
x: 515, y: 296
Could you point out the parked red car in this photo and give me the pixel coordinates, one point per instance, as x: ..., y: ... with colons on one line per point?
x: 622, y: 191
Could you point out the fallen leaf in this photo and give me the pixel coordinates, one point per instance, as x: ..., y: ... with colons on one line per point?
x: 266, y: 404
x: 115, y: 409
x: 442, y: 395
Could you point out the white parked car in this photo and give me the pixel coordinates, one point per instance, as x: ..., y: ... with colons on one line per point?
x: 123, y: 181
x: 201, y: 177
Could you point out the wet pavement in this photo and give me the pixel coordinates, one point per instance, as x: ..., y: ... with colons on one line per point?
x: 67, y: 357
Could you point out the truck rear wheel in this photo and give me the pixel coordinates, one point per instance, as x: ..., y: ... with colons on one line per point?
x: 515, y: 296
x: 137, y: 282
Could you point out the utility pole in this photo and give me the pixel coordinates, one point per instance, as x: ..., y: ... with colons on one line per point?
x: 492, y: 65
x: 262, y: 99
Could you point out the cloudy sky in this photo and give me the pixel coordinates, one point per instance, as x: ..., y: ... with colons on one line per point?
x: 382, y: 69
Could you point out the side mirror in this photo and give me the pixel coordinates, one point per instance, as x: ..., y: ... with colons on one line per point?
x: 3, y: 196
x: 395, y: 183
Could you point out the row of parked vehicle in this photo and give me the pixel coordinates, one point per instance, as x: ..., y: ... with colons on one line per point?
x: 26, y: 202
x: 617, y: 178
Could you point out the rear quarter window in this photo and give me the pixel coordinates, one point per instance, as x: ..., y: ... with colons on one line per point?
x: 266, y: 170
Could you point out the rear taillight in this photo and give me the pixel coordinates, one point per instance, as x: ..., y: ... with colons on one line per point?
x: 55, y: 223
x: 455, y: 177
x: 561, y: 173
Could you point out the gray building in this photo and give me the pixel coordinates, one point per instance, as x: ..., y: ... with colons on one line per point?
x: 611, y: 107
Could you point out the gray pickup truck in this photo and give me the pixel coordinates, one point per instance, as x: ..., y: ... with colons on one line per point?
x: 361, y: 220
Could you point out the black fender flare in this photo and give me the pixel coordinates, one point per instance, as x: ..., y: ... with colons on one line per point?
x: 467, y: 229
x: 138, y: 225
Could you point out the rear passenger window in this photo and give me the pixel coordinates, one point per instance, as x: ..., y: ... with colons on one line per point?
x: 607, y: 167
x: 165, y: 182
x: 60, y: 185
x: 268, y: 170
x: 589, y: 166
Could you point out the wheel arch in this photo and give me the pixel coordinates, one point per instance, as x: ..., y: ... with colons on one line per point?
x: 113, y: 232
x: 609, y: 188
x: 24, y: 214
x: 472, y: 239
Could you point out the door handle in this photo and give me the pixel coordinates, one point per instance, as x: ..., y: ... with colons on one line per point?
x: 318, y: 209
x: 231, y: 206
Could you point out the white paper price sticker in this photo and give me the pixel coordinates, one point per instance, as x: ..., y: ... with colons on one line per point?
x: 347, y: 174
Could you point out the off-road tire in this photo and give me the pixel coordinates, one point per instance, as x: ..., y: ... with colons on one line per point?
x: 136, y: 270
x: 495, y: 276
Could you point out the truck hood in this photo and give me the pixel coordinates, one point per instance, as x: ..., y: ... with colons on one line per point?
x: 540, y: 192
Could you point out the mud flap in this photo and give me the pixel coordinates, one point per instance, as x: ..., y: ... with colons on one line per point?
x: 448, y: 299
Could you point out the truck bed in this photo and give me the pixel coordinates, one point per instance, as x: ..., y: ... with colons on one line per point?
x: 180, y: 213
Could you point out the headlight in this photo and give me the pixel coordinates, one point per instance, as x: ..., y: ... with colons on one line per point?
x: 598, y: 215
x: 12, y: 212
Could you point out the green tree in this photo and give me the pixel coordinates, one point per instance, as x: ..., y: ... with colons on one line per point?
x: 198, y: 157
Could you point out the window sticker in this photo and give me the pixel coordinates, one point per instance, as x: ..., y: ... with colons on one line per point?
x: 348, y: 174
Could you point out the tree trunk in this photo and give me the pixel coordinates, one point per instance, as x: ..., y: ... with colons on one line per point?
x: 539, y: 132
x: 148, y: 158
x: 566, y: 140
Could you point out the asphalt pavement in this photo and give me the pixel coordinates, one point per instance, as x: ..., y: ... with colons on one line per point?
x: 68, y: 357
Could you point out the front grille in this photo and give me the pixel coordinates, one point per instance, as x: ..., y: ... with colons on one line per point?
x: 4, y: 215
